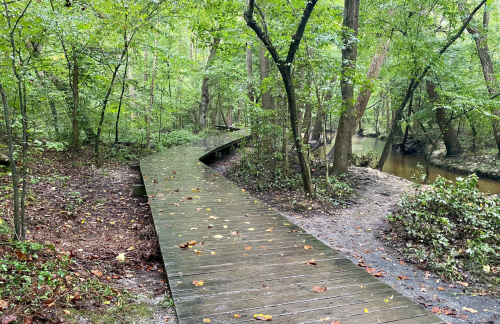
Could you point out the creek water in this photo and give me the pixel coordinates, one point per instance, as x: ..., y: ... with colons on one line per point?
x: 405, y: 166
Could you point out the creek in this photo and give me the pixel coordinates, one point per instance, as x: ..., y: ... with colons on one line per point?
x: 405, y: 166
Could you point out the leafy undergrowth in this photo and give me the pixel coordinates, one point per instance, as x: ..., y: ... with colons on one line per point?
x: 452, y: 229
x: 266, y: 178
x: 91, y: 246
x: 39, y: 283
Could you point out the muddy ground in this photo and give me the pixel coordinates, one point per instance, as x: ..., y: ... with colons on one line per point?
x: 359, y: 232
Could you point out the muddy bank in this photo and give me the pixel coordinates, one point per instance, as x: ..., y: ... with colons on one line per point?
x: 485, y: 166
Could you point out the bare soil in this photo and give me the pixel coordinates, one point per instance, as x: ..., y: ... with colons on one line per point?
x: 91, y: 215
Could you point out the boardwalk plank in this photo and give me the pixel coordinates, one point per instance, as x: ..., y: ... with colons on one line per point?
x: 191, y: 202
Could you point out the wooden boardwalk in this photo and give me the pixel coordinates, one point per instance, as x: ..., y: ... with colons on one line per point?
x: 251, y: 259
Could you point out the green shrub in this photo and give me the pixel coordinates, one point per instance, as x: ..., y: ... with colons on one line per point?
x: 178, y: 137
x: 451, y: 228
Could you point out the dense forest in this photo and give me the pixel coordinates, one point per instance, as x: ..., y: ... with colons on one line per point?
x: 102, y: 80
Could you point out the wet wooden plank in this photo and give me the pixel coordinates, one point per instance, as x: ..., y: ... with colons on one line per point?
x: 252, y: 259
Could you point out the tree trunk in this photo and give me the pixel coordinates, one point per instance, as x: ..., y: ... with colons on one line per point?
x: 292, y: 109
x: 377, y: 115
x: 151, y: 99
x: 55, y: 122
x: 251, y: 95
x: 450, y: 138
x: 267, y: 99
x: 205, y: 91
x: 18, y: 229
x: 347, y: 118
x: 407, y: 130
x: 481, y: 40
x: 307, y: 122
x: 124, y: 82
x: 76, y: 103
x: 373, y: 73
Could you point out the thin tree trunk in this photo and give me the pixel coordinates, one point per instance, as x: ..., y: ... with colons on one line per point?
x: 407, y: 130
x: 151, y: 99
x: 76, y: 103
x: 124, y: 82
x: 347, y: 118
x: 450, y: 138
x: 55, y: 122
x: 481, y: 39
x: 373, y: 73
x: 267, y: 99
x: 251, y: 95
x: 205, y: 91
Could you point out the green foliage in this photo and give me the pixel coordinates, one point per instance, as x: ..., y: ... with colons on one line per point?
x: 451, y: 228
x: 177, y: 137
x: 35, y: 276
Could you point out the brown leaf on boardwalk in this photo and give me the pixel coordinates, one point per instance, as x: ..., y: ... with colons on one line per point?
x: 403, y: 277
x: 335, y: 322
x: 471, y: 310
x: 262, y: 247
x: 319, y: 289
x: 236, y: 316
x: 198, y: 283
x: 308, y: 247
x: 450, y: 312
x: 248, y: 248
x: 436, y: 310
x: 312, y: 262
x: 441, y: 289
x: 207, y: 320
x: 462, y: 283
x: 192, y: 242
x: 263, y: 317
x: 370, y: 270
x: 378, y: 274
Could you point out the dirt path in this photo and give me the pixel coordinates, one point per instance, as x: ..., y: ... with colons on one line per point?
x: 359, y: 233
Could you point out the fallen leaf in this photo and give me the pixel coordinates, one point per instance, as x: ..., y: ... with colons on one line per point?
x: 236, y: 315
x: 335, y: 322
x: 212, y: 252
x: 366, y: 310
x: 441, y: 288
x: 28, y: 319
x: 308, y: 247
x: 403, y: 277
x: 463, y: 283
x: 97, y: 272
x: 8, y: 319
x: 197, y: 252
x: 218, y: 236
x: 198, y: 283
x: 319, y: 289
x: 67, y: 312
x: 312, y: 262
x: 207, y: 320
x: 471, y: 310
x: 248, y: 248
x: 436, y: 310
x: 263, y: 317
x: 251, y: 229
x: 3, y: 305
x: 378, y: 274
x: 121, y: 257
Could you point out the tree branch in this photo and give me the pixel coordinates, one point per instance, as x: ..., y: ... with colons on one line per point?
x: 294, y: 46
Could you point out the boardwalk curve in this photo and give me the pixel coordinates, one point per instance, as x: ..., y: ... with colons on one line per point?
x: 250, y: 259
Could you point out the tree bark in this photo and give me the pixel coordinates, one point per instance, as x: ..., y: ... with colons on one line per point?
x: 124, y: 82
x: 373, y: 73
x: 251, y: 95
x: 347, y: 117
x: 450, y: 138
x: 76, y: 103
x: 284, y: 66
x: 205, y: 91
x: 267, y: 99
x: 151, y: 99
x: 55, y: 122
x: 481, y: 39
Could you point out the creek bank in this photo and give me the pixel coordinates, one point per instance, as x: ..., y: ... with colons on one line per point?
x: 359, y: 231
x: 485, y: 166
